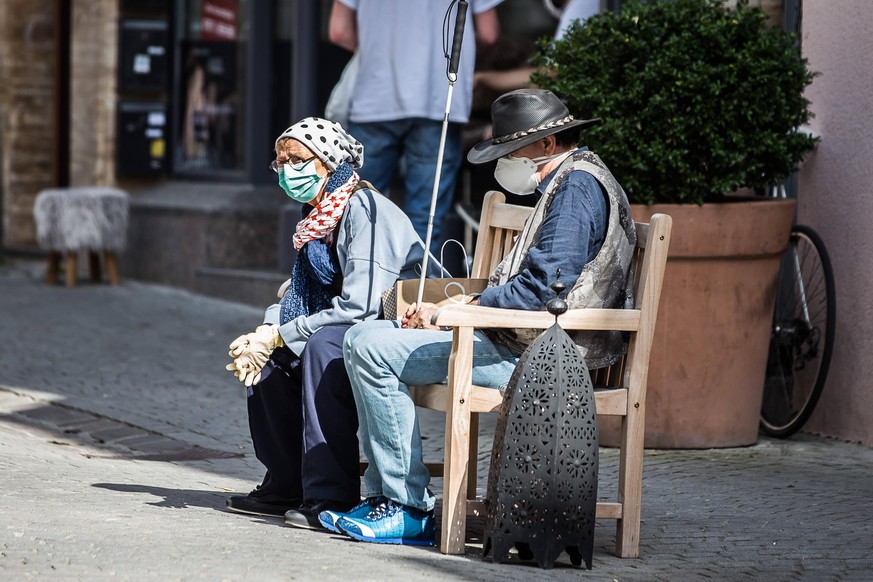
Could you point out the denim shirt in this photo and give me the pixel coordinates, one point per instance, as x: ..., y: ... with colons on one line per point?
x: 572, y: 233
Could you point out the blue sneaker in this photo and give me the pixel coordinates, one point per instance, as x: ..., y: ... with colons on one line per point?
x: 391, y: 523
x: 329, y: 518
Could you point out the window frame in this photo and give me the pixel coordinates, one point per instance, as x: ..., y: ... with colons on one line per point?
x: 257, y: 101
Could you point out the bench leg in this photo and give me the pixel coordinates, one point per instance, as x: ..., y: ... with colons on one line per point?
x: 473, y: 471
x: 111, y: 267
x: 70, y: 269
x: 54, y: 266
x: 630, y: 485
x: 457, y: 445
x: 94, y: 267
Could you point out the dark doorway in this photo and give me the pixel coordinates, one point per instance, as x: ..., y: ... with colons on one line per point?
x: 63, y: 12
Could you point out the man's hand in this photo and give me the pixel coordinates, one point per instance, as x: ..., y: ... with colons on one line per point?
x: 418, y: 317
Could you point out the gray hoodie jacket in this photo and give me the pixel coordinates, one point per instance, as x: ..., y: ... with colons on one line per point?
x: 376, y: 245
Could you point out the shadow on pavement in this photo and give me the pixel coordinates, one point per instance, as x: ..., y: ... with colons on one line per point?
x: 172, y: 498
x: 117, y: 438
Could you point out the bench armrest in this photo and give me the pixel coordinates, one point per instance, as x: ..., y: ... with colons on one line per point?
x: 484, y: 317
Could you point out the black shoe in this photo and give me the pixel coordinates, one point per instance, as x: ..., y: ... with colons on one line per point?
x: 257, y: 503
x: 306, y: 516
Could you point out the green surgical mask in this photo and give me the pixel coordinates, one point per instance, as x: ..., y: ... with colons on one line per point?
x: 301, y: 183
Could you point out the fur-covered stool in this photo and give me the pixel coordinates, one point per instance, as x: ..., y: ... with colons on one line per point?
x: 70, y: 220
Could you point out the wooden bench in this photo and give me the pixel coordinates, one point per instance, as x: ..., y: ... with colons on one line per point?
x: 622, y: 386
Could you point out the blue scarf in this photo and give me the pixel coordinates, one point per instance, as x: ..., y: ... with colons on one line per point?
x: 315, y: 272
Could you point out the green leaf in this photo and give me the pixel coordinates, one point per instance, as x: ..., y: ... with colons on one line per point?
x: 697, y: 99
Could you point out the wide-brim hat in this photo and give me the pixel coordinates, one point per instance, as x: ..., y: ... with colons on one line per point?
x: 521, y: 117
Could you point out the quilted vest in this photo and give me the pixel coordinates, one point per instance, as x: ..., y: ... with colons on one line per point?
x: 605, y: 282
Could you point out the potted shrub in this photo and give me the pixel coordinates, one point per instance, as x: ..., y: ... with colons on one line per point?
x: 699, y: 101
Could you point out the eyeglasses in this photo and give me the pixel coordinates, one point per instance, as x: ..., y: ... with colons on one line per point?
x: 277, y: 165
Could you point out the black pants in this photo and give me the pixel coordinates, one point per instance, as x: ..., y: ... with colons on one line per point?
x: 304, y: 424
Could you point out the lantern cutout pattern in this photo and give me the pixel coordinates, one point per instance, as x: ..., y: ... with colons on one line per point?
x: 542, y: 484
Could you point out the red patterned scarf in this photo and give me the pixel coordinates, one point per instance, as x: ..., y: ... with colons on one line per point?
x: 324, y: 217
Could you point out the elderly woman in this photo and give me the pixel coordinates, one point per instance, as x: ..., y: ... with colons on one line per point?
x: 352, y: 244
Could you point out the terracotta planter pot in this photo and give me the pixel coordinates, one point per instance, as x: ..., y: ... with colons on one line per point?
x: 707, y: 367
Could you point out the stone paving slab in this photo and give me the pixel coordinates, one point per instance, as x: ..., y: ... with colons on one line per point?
x: 140, y: 368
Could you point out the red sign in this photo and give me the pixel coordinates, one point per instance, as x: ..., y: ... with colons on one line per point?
x: 218, y: 20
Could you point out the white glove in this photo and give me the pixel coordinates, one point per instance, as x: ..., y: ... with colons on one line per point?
x: 283, y: 288
x: 247, y: 368
x: 251, y: 352
x: 237, y: 345
x: 235, y: 349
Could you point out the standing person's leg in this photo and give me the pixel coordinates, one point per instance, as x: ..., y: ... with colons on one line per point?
x: 422, y: 149
x: 382, y: 150
x: 330, y: 445
x: 275, y: 422
x: 382, y: 360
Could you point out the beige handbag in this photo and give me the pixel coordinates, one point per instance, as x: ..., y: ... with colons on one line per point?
x: 441, y: 291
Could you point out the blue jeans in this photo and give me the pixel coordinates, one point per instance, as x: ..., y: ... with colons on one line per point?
x: 381, y: 359
x: 418, y: 139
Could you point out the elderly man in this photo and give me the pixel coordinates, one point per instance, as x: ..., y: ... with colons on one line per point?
x: 581, y: 224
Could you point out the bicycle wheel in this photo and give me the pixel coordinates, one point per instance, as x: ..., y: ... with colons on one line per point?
x: 802, y: 337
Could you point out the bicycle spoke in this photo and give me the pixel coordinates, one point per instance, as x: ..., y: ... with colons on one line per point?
x: 786, y: 393
x: 802, y: 336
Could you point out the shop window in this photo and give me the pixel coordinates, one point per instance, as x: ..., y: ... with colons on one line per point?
x: 212, y: 47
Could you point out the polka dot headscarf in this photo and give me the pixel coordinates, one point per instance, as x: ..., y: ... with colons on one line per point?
x: 328, y: 140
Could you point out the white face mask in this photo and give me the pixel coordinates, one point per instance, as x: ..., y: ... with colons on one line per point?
x: 519, y: 175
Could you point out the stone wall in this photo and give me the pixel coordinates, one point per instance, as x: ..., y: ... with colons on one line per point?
x: 92, y: 92
x: 27, y: 113
x: 28, y: 124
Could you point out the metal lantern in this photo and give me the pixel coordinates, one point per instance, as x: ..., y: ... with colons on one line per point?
x: 542, y: 485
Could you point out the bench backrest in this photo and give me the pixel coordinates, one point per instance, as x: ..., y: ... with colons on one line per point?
x: 498, y: 226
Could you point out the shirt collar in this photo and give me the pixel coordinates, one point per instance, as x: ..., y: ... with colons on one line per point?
x: 541, y: 187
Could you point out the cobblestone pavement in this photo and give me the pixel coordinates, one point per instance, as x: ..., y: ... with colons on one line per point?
x: 121, y: 435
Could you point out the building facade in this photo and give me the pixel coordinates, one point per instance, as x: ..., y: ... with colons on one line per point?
x: 834, y: 187
x: 27, y: 114
x: 177, y: 102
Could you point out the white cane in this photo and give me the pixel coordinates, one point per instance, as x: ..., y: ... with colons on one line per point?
x: 460, y: 19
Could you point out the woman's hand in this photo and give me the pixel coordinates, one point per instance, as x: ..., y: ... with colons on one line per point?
x: 418, y: 317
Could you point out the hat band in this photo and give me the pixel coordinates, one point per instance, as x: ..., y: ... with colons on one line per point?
x: 518, y: 134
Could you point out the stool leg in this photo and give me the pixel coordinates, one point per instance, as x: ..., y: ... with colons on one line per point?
x: 111, y: 267
x: 54, y: 265
x: 94, y: 267
x: 70, y: 269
